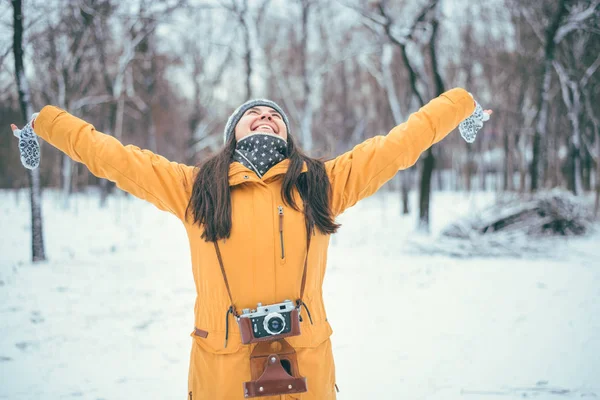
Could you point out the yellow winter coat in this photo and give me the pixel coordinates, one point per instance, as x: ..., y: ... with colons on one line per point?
x: 257, y: 269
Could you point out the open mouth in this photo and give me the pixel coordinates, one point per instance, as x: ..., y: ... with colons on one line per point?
x: 264, y: 128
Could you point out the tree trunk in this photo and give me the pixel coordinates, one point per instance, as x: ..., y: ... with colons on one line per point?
x: 508, y: 170
x: 468, y: 167
x: 425, y: 191
x: 404, y: 189
x: 67, y: 177
x: 107, y: 186
x: 535, y: 169
x: 394, y: 103
x: 522, y: 144
x: 66, y: 167
x: 571, y: 95
x: 150, y: 81
x: 597, y: 202
x: 511, y: 144
x: 248, y: 52
x: 38, y: 252
x: 576, y: 151
x: 387, y: 56
x: 307, y: 112
x: 587, y: 170
x: 429, y: 162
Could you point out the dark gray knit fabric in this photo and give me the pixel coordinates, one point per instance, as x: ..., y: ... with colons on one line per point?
x: 237, y: 115
x: 260, y: 151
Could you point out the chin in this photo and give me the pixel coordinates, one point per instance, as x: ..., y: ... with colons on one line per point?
x: 265, y: 133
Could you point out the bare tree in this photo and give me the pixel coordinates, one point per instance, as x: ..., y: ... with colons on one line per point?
x: 239, y: 9
x: 116, y: 82
x: 286, y: 74
x: 383, y: 18
x: 568, y: 17
x: 66, y: 58
x: 544, y: 94
x: 37, y: 237
x: 308, y: 103
x: 568, y: 67
x: 572, y: 98
x: 205, y: 78
x: 149, y: 71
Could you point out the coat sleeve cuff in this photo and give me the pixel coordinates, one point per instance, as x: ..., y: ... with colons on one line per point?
x: 460, y: 96
x: 44, y: 121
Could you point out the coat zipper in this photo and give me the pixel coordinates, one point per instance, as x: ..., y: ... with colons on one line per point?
x: 281, y: 231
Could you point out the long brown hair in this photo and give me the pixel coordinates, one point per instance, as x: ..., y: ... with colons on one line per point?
x: 210, y: 203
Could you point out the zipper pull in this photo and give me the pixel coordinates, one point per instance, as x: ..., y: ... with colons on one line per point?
x: 280, y: 218
x: 280, y: 208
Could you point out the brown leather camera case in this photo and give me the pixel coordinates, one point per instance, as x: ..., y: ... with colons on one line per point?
x: 246, y: 329
x: 269, y: 377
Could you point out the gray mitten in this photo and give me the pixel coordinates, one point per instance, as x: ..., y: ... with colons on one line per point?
x: 469, y: 127
x: 28, y: 145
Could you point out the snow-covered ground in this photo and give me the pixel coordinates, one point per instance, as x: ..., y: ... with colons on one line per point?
x: 109, y: 316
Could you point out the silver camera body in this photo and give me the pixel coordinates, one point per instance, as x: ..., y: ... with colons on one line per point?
x: 269, y: 322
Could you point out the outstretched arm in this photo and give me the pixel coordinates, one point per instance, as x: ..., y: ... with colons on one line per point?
x: 361, y: 171
x: 140, y: 172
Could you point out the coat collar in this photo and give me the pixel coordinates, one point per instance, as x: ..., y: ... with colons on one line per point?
x: 238, y: 173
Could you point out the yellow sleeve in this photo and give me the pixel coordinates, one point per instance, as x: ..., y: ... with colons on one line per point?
x: 140, y: 172
x: 361, y: 171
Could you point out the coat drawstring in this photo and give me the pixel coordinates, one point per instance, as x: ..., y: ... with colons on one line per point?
x: 300, y: 304
x: 229, y: 310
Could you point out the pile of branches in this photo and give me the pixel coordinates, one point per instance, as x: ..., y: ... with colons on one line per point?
x: 514, y: 226
x: 546, y: 214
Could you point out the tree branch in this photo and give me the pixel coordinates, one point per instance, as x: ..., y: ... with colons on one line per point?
x: 589, y: 72
x: 575, y: 20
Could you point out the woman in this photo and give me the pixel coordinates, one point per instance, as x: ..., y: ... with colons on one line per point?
x: 251, y: 212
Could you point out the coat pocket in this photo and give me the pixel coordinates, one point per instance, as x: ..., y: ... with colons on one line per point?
x: 214, y: 342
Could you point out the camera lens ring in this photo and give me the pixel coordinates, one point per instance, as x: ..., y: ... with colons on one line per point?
x: 271, y: 316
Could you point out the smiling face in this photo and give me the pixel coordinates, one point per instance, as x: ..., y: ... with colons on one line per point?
x: 261, y: 119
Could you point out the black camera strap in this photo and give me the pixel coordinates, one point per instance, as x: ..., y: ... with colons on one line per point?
x: 232, y: 309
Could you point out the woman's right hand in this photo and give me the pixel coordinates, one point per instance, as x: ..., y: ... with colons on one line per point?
x: 29, y: 146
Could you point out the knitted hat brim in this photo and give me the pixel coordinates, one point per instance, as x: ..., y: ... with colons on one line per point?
x: 235, y: 117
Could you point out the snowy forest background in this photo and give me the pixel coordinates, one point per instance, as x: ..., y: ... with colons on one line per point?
x: 165, y: 75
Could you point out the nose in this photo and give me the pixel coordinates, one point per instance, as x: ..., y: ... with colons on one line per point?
x: 266, y: 114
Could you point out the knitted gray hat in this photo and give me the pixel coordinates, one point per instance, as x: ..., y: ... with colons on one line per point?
x: 237, y: 115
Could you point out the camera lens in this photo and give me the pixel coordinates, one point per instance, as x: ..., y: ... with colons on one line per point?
x: 274, y: 323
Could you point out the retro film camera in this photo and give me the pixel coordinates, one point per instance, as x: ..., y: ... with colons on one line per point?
x: 273, y: 363
x: 269, y: 322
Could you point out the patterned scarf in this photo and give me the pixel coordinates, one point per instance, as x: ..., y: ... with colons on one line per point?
x: 260, y: 151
